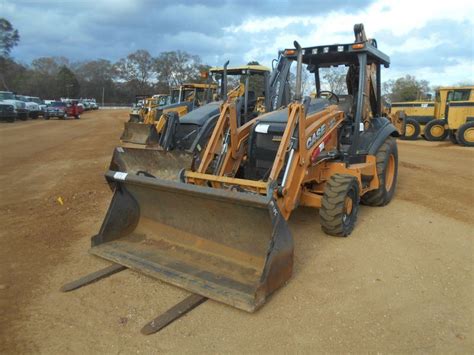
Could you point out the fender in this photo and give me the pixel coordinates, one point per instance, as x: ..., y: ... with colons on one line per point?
x: 372, y: 139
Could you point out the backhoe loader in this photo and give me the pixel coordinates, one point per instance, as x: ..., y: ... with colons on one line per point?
x: 221, y: 229
x: 179, y: 139
x: 183, y: 99
x: 137, y: 111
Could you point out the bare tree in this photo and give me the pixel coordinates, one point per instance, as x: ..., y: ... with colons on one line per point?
x: 177, y: 67
x: 335, y: 79
x: 9, y: 38
x: 136, y: 67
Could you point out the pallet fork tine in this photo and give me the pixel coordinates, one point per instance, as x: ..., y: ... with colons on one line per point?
x: 93, y: 277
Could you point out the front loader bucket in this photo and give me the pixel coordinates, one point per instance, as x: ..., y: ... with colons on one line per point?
x: 139, y: 133
x: 229, y: 246
x: 150, y: 162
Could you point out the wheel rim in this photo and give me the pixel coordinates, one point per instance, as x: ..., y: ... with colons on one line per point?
x: 390, y: 173
x: 469, y: 135
x: 348, y: 205
x: 437, y: 131
x: 409, y: 130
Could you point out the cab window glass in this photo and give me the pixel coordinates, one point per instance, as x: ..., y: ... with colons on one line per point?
x: 459, y: 95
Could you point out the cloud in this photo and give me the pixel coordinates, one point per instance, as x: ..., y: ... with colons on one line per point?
x: 421, y: 38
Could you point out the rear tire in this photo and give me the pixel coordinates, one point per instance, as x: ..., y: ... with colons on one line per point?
x: 465, y: 134
x: 387, y: 172
x: 435, y: 131
x: 340, y: 205
x: 412, y: 130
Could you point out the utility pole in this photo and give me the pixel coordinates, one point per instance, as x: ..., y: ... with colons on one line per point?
x: 103, y: 94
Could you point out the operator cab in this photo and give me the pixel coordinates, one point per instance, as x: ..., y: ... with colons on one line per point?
x: 353, y: 63
x: 246, y: 83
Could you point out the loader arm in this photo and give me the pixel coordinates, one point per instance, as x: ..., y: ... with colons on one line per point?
x: 233, y: 153
x: 305, y: 137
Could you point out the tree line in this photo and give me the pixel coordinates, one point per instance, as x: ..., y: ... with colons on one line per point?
x: 137, y: 73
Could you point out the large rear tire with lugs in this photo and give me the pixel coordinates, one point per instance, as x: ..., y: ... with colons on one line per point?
x: 412, y: 130
x: 340, y: 205
x: 465, y: 134
x: 434, y: 131
x: 387, y: 172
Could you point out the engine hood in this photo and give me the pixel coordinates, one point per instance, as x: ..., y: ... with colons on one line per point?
x: 32, y: 106
x: 281, y: 116
x: 200, y: 115
x: 17, y: 103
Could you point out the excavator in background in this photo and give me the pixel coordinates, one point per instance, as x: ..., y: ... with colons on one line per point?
x: 182, y: 100
x: 259, y: 90
x: 220, y: 230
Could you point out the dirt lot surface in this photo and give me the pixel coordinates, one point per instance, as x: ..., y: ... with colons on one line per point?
x: 402, y: 282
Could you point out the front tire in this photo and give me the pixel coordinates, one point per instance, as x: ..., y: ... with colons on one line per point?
x: 412, y: 130
x: 387, y: 172
x: 340, y: 205
x: 435, y: 131
x: 465, y: 134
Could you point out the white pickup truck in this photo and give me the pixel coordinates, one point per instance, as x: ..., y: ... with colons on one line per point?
x: 20, y: 106
x: 41, y: 104
x: 32, y: 107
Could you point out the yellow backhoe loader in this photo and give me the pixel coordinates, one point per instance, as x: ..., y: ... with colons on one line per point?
x: 258, y: 90
x: 220, y: 230
x: 182, y: 100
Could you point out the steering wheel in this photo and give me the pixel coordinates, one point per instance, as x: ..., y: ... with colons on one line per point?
x: 329, y: 95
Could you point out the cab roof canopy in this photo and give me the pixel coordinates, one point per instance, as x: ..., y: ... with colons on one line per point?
x: 341, y: 54
x: 197, y: 86
x: 252, y: 69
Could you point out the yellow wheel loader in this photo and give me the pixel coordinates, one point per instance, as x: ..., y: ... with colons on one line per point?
x: 139, y: 108
x: 221, y: 230
x: 182, y: 100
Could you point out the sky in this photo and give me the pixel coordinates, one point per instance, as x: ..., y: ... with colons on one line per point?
x: 432, y: 40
